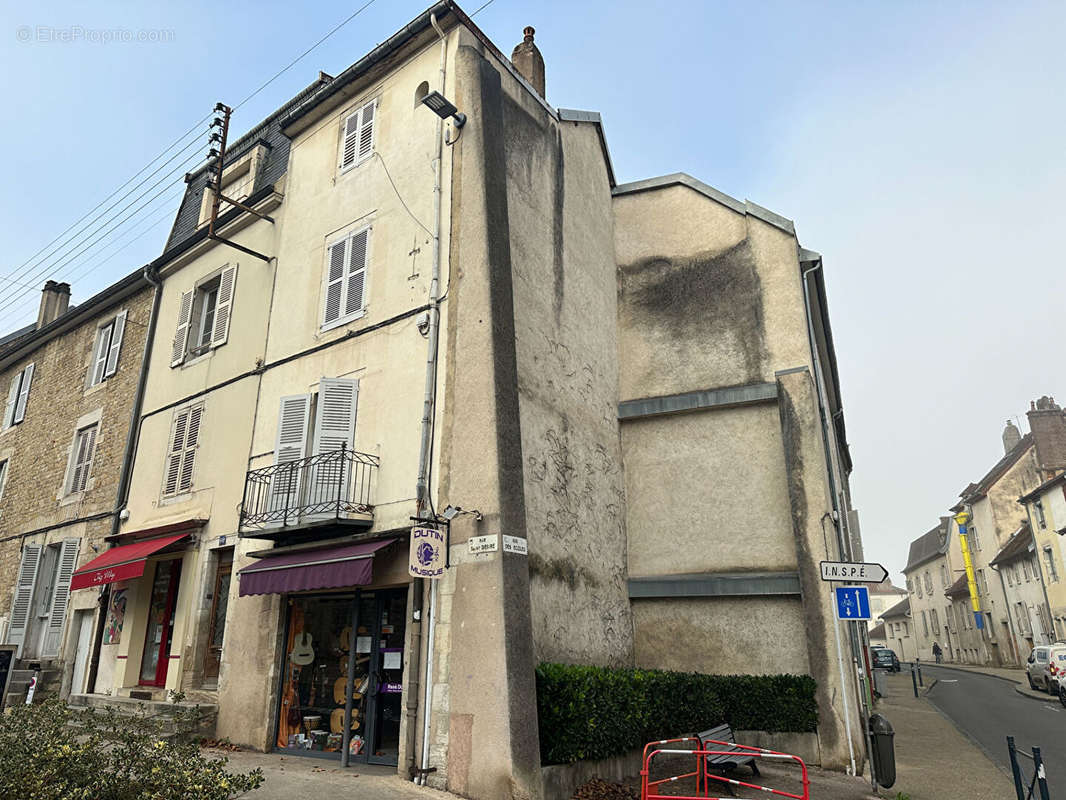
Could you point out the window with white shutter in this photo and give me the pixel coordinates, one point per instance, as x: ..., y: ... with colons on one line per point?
x: 21, y: 602
x: 106, y: 349
x: 81, y: 459
x: 4, y: 465
x: 290, y: 447
x: 181, y: 454
x: 344, y: 292
x: 335, y: 412
x: 18, y: 396
x: 204, y: 315
x: 57, y: 614
x: 357, y: 136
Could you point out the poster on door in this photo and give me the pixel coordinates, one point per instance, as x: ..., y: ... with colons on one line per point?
x: 116, y: 616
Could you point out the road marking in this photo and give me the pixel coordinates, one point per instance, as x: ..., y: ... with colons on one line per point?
x: 944, y: 680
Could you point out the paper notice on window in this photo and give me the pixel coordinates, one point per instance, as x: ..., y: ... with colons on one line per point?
x: 392, y: 661
x: 362, y: 644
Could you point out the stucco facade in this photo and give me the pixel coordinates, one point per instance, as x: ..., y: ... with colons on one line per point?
x: 725, y: 456
x: 1045, y: 512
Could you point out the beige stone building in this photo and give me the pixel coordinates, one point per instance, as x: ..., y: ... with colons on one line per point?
x: 898, y: 634
x: 882, y: 597
x: 931, y: 569
x: 72, y: 380
x: 621, y: 403
x: 1018, y: 571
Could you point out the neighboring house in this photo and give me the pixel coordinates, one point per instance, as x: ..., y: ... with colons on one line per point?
x: 898, y: 633
x: 1045, y: 510
x: 878, y: 635
x: 968, y: 643
x: 597, y: 359
x: 994, y: 516
x: 72, y: 386
x: 882, y: 597
x: 1018, y: 573
x: 930, y: 571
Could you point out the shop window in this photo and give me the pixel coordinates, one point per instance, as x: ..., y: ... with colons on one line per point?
x: 325, y: 634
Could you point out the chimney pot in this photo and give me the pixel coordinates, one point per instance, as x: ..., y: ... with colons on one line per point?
x: 528, y: 61
x: 1048, y: 426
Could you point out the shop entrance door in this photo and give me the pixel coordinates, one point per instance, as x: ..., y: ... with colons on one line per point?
x: 217, y: 622
x: 322, y: 631
x: 160, y: 629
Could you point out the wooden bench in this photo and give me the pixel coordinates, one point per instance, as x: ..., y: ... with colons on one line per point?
x: 728, y: 763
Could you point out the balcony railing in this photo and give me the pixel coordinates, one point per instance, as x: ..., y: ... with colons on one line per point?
x: 336, y: 485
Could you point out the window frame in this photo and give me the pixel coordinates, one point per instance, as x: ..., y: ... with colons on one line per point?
x: 109, y: 328
x: 20, y: 385
x: 366, y: 226
x: 357, y: 159
x: 192, y: 328
x: 1049, y: 559
x: 83, y: 427
x: 186, y: 448
x: 5, y: 470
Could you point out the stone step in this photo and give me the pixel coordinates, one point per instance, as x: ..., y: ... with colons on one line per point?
x: 156, y: 708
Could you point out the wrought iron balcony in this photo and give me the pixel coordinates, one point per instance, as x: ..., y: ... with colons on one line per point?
x: 336, y: 486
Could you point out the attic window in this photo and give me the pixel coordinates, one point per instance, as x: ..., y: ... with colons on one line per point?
x: 238, y: 183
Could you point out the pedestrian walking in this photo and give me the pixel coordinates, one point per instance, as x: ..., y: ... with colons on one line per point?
x: 938, y: 654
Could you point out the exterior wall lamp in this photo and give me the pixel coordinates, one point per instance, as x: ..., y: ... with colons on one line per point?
x: 444, y: 108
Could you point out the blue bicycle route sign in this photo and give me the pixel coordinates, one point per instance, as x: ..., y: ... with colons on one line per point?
x: 853, y: 602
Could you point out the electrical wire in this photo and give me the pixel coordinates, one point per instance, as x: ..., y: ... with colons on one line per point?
x: 399, y: 196
x: 12, y: 277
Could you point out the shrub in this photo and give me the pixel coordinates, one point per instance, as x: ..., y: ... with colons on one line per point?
x: 591, y: 713
x: 51, y: 752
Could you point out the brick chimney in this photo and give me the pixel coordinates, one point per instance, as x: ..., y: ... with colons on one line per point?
x: 527, y: 60
x: 55, y: 297
x: 1011, y: 437
x: 1048, y: 426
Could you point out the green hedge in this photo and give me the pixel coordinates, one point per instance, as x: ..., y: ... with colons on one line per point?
x: 597, y: 712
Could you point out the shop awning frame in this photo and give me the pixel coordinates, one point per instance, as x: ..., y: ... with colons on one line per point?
x: 123, y: 562
x: 330, y: 567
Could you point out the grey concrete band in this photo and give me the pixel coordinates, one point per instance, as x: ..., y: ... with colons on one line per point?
x: 690, y: 401
x: 712, y: 584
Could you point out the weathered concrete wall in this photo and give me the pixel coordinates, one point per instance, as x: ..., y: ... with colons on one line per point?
x: 724, y: 472
x: 722, y: 635
x: 1054, y: 505
x: 561, y: 243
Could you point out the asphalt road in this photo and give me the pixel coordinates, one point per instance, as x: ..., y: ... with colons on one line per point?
x: 987, y: 709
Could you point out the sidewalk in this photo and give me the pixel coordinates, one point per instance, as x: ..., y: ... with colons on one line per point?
x: 1015, y: 676
x: 294, y: 777
x: 934, y: 760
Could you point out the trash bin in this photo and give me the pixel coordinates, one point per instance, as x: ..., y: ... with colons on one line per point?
x: 884, y: 751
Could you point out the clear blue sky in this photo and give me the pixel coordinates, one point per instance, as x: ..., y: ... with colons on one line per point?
x: 918, y: 146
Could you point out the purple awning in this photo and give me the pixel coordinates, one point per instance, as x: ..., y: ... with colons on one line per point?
x: 324, y: 568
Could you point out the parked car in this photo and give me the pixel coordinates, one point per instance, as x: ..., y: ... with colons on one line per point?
x: 1034, y: 666
x: 1044, y: 666
x: 884, y: 658
x: 1062, y: 687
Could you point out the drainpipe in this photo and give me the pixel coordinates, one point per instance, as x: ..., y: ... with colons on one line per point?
x: 428, y: 409
x: 841, y: 542
x: 122, y: 493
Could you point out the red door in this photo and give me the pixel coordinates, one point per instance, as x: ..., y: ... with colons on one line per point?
x: 160, y: 629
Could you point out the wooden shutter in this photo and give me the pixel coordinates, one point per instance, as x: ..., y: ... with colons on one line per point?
x: 68, y: 560
x: 291, y: 445
x: 350, y: 144
x: 335, y: 260
x: 223, y: 305
x: 181, y: 336
x: 366, y: 130
x: 335, y: 420
x: 116, y: 345
x: 334, y: 427
x: 192, y: 435
x: 82, y: 455
x: 356, y: 279
x: 177, y: 448
x: 12, y: 397
x: 24, y: 394
x: 100, y: 351
x: 4, y: 466
x: 20, y: 605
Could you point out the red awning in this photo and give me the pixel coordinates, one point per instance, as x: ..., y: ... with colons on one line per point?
x: 120, y: 563
x: 302, y: 570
